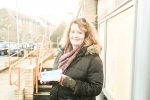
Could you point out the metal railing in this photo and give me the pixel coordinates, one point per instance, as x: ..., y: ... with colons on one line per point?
x: 46, y: 48
x: 7, y: 51
x: 18, y: 67
x: 43, y: 47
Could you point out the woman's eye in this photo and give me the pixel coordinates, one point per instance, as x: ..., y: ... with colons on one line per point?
x: 72, y: 31
x: 80, y: 32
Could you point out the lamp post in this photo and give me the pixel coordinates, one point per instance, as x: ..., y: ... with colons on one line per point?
x: 17, y: 21
x: 8, y: 31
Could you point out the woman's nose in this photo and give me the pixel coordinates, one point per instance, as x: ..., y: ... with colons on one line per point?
x: 75, y: 34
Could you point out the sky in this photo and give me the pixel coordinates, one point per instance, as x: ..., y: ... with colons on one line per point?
x: 54, y: 10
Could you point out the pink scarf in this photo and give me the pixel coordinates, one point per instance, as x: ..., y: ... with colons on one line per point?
x: 68, y: 57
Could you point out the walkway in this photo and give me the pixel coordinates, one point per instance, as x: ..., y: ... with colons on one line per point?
x: 3, y: 61
x: 7, y: 90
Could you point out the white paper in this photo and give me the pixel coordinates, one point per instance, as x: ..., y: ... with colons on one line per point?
x: 51, y: 75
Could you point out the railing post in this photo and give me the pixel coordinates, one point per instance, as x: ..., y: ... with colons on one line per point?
x: 8, y: 57
x: 25, y: 52
x: 19, y: 78
x: 30, y: 60
x: 37, y: 74
x: 8, y: 61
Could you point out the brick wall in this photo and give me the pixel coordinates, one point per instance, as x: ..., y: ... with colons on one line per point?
x: 90, y: 7
x: 29, y: 82
x: 19, y: 94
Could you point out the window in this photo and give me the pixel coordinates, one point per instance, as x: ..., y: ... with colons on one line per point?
x: 1, y: 29
x: 1, y: 20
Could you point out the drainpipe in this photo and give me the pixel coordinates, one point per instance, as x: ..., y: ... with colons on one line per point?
x: 141, y: 64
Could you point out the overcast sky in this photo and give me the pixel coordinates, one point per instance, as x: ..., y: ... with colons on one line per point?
x: 54, y: 9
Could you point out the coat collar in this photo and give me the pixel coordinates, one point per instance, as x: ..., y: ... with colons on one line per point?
x: 93, y: 49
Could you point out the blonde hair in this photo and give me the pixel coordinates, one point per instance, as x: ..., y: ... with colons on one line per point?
x: 91, y: 35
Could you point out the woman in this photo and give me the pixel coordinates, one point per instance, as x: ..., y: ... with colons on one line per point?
x: 82, y: 77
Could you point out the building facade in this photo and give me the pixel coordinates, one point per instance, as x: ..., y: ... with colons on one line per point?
x: 28, y: 28
x: 123, y: 28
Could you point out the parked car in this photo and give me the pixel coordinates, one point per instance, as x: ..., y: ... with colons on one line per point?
x: 19, y: 48
x: 30, y: 46
x: 2, y: 41
x: 4, y: 47
x: 16, y: 49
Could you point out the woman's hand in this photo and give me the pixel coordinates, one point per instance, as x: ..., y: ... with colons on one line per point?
x: 62, y: 78
x: 67, y: 81
x: 43, y: 82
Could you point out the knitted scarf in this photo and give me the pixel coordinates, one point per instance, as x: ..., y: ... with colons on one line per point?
x: 68, y: 57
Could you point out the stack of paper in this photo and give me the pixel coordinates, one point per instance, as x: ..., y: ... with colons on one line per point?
x: 51, y: 75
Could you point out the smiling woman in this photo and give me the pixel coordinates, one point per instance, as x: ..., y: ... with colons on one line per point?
x: 82, y: 68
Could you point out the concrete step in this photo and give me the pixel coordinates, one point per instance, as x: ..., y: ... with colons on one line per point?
x: 44, y: 88
x: 41, y: 96
x: 42, y: 93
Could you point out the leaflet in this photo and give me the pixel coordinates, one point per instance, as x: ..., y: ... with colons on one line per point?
x: 51, y: 75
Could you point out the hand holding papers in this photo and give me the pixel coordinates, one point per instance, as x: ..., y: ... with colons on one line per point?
x: 54, y: 75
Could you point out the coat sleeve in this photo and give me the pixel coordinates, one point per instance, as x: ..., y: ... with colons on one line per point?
x: 93, y: 85
x: 55, y: 65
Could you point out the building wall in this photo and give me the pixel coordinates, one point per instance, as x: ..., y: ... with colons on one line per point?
x: 28, y: 29
x: 88, y: 10
x: 124, y: 34
x: 116, y: 32
x: 9, y: 29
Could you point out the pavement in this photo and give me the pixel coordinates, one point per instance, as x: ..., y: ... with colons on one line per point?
x: 4, y: 60
x: 7, y: 90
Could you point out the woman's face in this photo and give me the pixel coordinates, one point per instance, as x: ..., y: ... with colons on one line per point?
x: 76, y: 36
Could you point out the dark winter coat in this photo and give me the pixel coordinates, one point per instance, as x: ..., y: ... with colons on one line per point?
x: 87, y: 70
